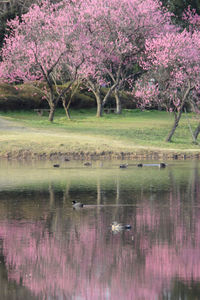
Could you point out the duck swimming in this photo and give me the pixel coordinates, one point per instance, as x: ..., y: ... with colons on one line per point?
x: 87, y: 163
x: 56, y: 165
x: 76, y: 204
x: 117, y: 227
x: 123, y: 166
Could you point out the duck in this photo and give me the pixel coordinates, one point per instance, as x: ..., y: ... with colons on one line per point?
x: 76, y: 204
x: 56, y: 165
x: 117, y: 227
x: 162, y: 165
x: 123, y: 166
x: 140, y: 165
x: 87, y: 163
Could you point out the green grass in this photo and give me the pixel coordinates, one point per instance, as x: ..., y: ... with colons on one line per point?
x: 132, y: 131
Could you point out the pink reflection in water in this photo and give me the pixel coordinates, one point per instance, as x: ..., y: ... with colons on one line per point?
x: 88, y: 262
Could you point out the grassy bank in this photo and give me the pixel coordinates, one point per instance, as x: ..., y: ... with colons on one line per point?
x: 134, y: 133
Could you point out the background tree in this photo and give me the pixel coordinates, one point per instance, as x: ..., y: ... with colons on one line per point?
x: 193, y: 21
x: 41, y: 47
x: 9, y: 12
x: 117, y: 31
x: 175, y: 73
x: 177, y: 7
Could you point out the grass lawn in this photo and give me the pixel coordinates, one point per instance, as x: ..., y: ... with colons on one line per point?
x: 132, y: 131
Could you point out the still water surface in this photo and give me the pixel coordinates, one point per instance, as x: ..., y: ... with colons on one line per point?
x: 50, y: 251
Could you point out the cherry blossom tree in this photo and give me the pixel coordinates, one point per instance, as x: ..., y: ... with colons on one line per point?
x: 193, y: 20
x: 173, y: 61
x: 99, y: 41
x: 41, y: 47
x: 116, y: 32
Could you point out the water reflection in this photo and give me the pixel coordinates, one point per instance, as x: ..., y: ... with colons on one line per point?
x: 50, y: 251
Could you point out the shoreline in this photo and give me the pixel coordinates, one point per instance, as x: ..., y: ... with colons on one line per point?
x: 104, y: 155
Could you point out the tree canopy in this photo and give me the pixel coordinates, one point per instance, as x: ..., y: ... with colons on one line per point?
x: 102, y: 43
x: 178, y: 6
x: 97, y: 41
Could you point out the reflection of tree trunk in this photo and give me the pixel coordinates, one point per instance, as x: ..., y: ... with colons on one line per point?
x: 117, y: 191
x: 193, y: 192
x: 193, y: 186
x: 117, y: 199
x: 53, y: 217
x: 50, y: 217
x: 172, y: 193
x: 98, y: 192
x: 93, y: 257
x: 51, y: 196
x: 66, y: 192
x: 67, y: 189
x: 8, y: 292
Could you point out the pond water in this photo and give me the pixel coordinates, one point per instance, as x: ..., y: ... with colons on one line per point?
x: 48, y: 250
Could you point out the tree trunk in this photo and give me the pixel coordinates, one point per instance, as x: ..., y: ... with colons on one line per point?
x: 66, y: 108
x: 99, y: 105
x: 196, y: 132
x: 66, y: 104
x: 52, y: 104
x: 111, y: 89
x: 175, y: 125
x: 118, y: 102
x: 95, y: 88
x: 52, y: 111
x: 178, y: 116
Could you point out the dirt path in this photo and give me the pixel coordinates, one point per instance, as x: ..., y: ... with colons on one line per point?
x: 10, y: 125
